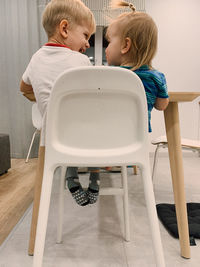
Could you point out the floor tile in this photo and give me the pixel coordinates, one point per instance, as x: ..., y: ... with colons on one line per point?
x: 93, y: 235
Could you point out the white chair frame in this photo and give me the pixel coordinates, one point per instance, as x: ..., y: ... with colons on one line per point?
x: 37, y: 123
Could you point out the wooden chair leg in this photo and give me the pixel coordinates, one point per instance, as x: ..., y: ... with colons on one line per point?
x: 36, y: 203
x: 135, y: 170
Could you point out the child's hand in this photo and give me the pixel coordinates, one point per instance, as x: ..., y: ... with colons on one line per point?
x: 30, y: 96
x: 27, y: 91
x: 161, y: 103
x: 25, y: 88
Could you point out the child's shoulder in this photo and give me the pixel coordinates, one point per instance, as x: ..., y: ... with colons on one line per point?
x: 156, y: 72
x: 146, y: 71
x: 158, y: 79
x: 158, y: 75
x: 58, y: 50
x: 152, y: 73
x: 77, y: 55
x: 61, y: 53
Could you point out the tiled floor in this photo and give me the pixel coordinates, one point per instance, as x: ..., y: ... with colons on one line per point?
x: 93, y: 235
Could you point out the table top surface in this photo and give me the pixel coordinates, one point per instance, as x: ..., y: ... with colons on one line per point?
x: 173, y: 96
x: 183, y: 96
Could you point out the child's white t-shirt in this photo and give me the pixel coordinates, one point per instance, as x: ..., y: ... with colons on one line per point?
x: 45, y: 66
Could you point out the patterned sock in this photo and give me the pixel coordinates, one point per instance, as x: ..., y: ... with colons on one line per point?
x: 75, y: 187
x: 93, y: 189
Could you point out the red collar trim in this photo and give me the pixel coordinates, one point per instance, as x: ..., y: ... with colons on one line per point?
x: 53, y: 44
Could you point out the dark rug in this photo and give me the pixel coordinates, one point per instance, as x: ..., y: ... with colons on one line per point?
x: 167, y: 215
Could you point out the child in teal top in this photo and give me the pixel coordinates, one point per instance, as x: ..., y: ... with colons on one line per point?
x: 132, y: 39
x: 154, y: 84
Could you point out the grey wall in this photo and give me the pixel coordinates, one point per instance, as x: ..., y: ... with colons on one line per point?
x: 19, y: 40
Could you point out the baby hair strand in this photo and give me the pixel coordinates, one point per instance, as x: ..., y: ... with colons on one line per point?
x: 119, y: 4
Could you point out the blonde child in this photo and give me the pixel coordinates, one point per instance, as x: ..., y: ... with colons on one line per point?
x: 69, y: 25
x: 132, y: 39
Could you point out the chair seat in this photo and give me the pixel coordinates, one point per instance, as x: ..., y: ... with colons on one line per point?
x: 184, y: 142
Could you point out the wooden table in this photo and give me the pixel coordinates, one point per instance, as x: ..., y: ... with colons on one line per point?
x: 172, y: 126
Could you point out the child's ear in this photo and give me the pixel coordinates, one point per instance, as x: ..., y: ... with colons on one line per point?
x: 63, y: 28
x: 126, y: 45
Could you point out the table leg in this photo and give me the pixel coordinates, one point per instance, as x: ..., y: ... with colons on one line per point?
x: 36, y: 203
x: 176, y: 164
x: 135, y: 169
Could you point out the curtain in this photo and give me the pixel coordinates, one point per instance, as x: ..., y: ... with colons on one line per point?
x: 19, y: 40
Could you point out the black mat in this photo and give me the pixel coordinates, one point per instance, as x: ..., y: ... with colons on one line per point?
x: 167, y: 215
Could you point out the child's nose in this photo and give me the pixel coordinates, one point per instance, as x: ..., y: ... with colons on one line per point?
x: 88, y: 44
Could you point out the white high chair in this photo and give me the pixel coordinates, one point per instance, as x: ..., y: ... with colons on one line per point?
x: 97, y: 116
x: 37, y: 123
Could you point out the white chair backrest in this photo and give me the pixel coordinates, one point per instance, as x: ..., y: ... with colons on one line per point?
x: 36, y: 117
x: 97, y: 116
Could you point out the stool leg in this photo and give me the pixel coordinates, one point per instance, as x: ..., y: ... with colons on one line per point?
x: 126, y: 204
x: 36, y: 203
x: 61, y: 205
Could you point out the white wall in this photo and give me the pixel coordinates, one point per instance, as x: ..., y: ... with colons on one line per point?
x: 178, y: 57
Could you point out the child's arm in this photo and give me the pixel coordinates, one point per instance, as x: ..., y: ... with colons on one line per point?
x: 27, y: 91
x: 161, y: 103
x: 25, y: 88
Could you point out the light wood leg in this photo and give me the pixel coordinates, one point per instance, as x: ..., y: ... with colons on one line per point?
x: 176, y: 164
x: 135, y: 170
x: 36, y: 203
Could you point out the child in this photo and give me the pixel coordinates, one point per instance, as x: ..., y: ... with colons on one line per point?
x: 132, y: 38
x: 69, y: 25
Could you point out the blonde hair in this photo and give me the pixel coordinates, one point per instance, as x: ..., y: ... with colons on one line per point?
x: 142, y: 31
x: 74, y: 11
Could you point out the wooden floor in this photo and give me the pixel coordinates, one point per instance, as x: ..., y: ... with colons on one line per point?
x: 16, y: 194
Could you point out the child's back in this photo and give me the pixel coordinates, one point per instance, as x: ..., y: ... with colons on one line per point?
x: 46, y: 65
x: 69, y: 25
